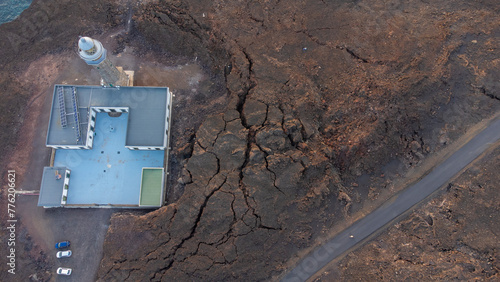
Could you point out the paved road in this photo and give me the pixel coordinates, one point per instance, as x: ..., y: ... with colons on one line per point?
x: 397, y: 205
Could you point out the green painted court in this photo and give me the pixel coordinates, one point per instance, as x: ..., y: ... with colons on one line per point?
x: 151, y: 187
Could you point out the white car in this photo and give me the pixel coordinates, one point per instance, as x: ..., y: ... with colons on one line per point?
x: 63, y: 254
x: 64, y: 271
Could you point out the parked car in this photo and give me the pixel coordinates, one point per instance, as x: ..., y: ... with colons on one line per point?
x: 64, y: 271
x: 63, y: 254
x: 63, y: 244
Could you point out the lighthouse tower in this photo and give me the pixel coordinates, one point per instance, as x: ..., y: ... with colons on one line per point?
x: 94, y: 54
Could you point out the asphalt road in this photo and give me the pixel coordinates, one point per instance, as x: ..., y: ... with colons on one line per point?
x: 394, y: 207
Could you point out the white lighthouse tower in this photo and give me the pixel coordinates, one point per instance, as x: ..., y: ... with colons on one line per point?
x: 94, y: 54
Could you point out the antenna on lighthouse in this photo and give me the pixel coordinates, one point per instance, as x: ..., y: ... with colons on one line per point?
x: 94, y: 54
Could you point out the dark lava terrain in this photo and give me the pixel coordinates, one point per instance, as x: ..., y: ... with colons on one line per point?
x: 453, y: 237
x: 321, y: 95
x: 314, y: 109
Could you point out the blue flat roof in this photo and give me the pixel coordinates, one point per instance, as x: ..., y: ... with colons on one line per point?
x: 109, y: 173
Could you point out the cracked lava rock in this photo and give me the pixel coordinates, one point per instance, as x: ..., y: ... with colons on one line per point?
x: 319, y: 93
x: 324, y: 104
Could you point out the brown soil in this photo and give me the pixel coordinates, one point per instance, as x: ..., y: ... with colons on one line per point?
x: 34, y: 52
x: 328, y: 103
x: 290, y: 116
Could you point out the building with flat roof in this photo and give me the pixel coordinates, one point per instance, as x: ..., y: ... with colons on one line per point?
x: 112, y: 141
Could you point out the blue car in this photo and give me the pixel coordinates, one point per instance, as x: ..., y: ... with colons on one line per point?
x: 62, y: 245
